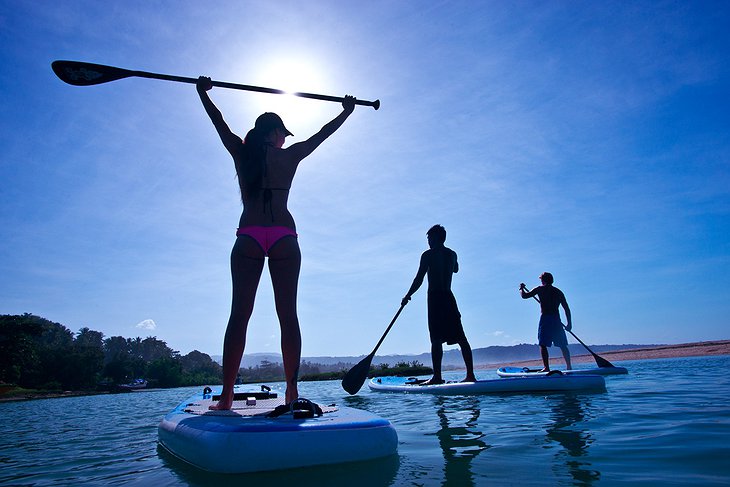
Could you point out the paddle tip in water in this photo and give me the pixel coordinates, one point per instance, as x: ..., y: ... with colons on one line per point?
x: 351, y: 384
x: 351, y: 389
x: 356, y: 376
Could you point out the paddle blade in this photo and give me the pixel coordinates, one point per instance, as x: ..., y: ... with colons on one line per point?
x: 602, y: 362
x: 356, y: 376
x: 86, y: 74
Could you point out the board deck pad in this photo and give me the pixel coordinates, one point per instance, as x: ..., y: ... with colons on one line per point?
x: 248, y: 407
x: 528, y: 372
x: 555, y: 383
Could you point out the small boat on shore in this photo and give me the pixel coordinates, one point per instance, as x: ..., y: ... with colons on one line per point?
x: 135, y: 384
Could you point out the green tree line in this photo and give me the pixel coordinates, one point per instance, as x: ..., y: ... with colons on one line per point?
x: 36, y: 353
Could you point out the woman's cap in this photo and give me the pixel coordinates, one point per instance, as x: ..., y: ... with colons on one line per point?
x: 269, y: 121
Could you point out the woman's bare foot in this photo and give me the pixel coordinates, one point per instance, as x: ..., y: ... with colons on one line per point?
x: 469, y: 378
x: 545, y: 370
x: 223, y: 404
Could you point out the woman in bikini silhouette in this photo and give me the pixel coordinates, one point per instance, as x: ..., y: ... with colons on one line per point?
x: 266, y: 229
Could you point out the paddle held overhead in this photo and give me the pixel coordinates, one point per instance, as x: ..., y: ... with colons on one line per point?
x: 86, y: 74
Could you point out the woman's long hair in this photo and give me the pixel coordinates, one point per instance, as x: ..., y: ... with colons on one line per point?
x: 251, y: 165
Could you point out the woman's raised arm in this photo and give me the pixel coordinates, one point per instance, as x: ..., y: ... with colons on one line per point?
x: 229, y: 139
x: 303, y: 149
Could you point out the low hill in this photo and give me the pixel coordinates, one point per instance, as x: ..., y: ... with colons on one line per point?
x: 452, y: 358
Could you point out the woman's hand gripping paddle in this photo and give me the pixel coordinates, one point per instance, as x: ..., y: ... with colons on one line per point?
x: 356, y: 376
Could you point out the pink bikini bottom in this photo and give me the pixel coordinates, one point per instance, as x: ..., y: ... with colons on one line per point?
x: 266, y: 236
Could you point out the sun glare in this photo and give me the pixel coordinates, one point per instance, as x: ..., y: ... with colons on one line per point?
x: 295, y: 75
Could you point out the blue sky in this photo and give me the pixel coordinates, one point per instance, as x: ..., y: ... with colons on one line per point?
x: 588, y: 139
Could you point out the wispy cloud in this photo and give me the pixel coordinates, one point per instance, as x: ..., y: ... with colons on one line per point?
x: 146, y: 325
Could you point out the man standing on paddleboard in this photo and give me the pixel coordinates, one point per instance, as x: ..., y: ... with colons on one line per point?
x: 550, y: 330
x: 444, y: 319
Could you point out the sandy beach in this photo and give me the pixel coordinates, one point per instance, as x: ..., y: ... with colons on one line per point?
x: 695, y: 349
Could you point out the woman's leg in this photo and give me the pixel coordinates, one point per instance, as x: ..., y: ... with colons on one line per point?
x: 247, y: 263
x: 285, y: 261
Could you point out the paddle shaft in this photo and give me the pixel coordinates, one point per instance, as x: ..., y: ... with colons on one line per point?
x: 392, y: 322
x: 356, y: 376
x: 259, y: 89
x: 86, y: 74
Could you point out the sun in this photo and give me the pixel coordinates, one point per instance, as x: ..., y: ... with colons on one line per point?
x: 295, y: 74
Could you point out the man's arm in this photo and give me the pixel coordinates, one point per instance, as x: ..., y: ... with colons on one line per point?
x: 527, y: 294
x: 418, y: 280
x: 569, y: 318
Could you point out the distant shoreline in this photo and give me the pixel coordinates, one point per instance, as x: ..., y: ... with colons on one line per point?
x: 695, y: 349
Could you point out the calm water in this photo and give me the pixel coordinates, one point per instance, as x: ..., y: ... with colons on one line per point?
x: 666, y: 423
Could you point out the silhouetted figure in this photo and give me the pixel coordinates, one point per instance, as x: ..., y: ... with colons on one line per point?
x: 460, y: 438
x: 569, y: 426
x: 550, y: 330
x: 266, y: 229
x: 444, y: 319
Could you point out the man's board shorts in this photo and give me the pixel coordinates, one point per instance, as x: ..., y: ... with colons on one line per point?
x: 551, y: 331
x: 444, y: 319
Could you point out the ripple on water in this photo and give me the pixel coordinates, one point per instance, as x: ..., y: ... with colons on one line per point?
x: 666, y: 422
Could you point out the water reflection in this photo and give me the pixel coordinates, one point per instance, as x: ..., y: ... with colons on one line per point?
x: 459, y: 438
x: 569, y: 429
x: 388, y: 406
x: 370, y: 473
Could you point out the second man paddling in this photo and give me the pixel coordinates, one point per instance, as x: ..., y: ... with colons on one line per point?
x: 550, y: 330
x: 444, y: 320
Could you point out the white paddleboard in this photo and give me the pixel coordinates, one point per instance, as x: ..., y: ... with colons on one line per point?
x: 528, y: 372
x: 552, y: 383
x: 245, y: 439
